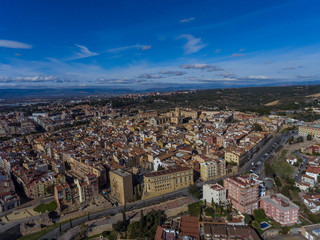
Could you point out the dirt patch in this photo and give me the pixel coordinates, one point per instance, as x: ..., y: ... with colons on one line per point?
x: 272, y: 103
x: 298, y: 146
x: 314, y: 95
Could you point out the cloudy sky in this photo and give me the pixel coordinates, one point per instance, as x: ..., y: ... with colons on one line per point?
x: 145, y: 44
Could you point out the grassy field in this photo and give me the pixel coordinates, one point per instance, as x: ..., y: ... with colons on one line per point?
x: 281, y: 167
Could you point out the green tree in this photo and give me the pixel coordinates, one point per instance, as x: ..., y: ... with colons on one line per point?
x: 194, y: 190
x: 124, y: 218
x: 285, y: 230
x: 259, y: 215
x: 83, y: 232
x: 209, y: 211
x: 247, y: 219
x: 257, y: 127
x: 309, y: 137
x: 194, y: 208
x: 120, y: 226
x: 256, y: 225
x: 50, y: 189
x: 219, y: 210
x: 160, y: 168
x: 286, y: 191
x: 136, y: 193
x: 268, y: 171
x: 142, y: 221
x: 278, y: 182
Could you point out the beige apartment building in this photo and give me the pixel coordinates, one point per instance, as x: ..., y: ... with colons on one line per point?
x: 212, y: 169
x: 165, y: 181
x: 121, y: 185
x: 233, y: 156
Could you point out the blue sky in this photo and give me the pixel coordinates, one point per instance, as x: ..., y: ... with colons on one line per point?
x: 145, y: 44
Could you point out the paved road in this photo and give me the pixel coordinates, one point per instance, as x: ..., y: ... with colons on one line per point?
x: 302, y: 167
x: 259, y: 156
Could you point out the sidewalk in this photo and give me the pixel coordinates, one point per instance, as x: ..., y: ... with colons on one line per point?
x: 19, y: 214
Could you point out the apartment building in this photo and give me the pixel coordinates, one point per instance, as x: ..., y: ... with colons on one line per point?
x: 234, y: 156
x: 212, y: 169
x: 214, y: 193
x: 82, y: 167
x: 243, y: 192
x: 165, y: 181
x: 280, y: 208
x: 62, y: 194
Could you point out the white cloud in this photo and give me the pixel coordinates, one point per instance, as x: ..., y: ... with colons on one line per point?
x: 124, y: 48
x: 237, y: 55
x: 120, y: 49
x: 145, y: 47
x: 14, y: 44
x: 307, y: 76
x: 48, y: 78
x: 149, y: 76
x: 259, y: 77
x: 175, y: 73
x: 193, y: 44
x: 84, y: 52
x: 202, y: 66
x: 187, y: 20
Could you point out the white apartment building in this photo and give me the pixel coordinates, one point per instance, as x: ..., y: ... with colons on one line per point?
x: 215, y: 193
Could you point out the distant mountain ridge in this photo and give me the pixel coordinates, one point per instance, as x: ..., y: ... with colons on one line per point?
x: 19, y: 93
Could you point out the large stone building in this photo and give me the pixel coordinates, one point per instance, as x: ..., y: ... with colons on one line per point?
x: 222, y: 231
x: 313, y: 130
x: 121, y: 185
x: 165, y: 181
x: 243, y: 191
x: 212, y: 169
